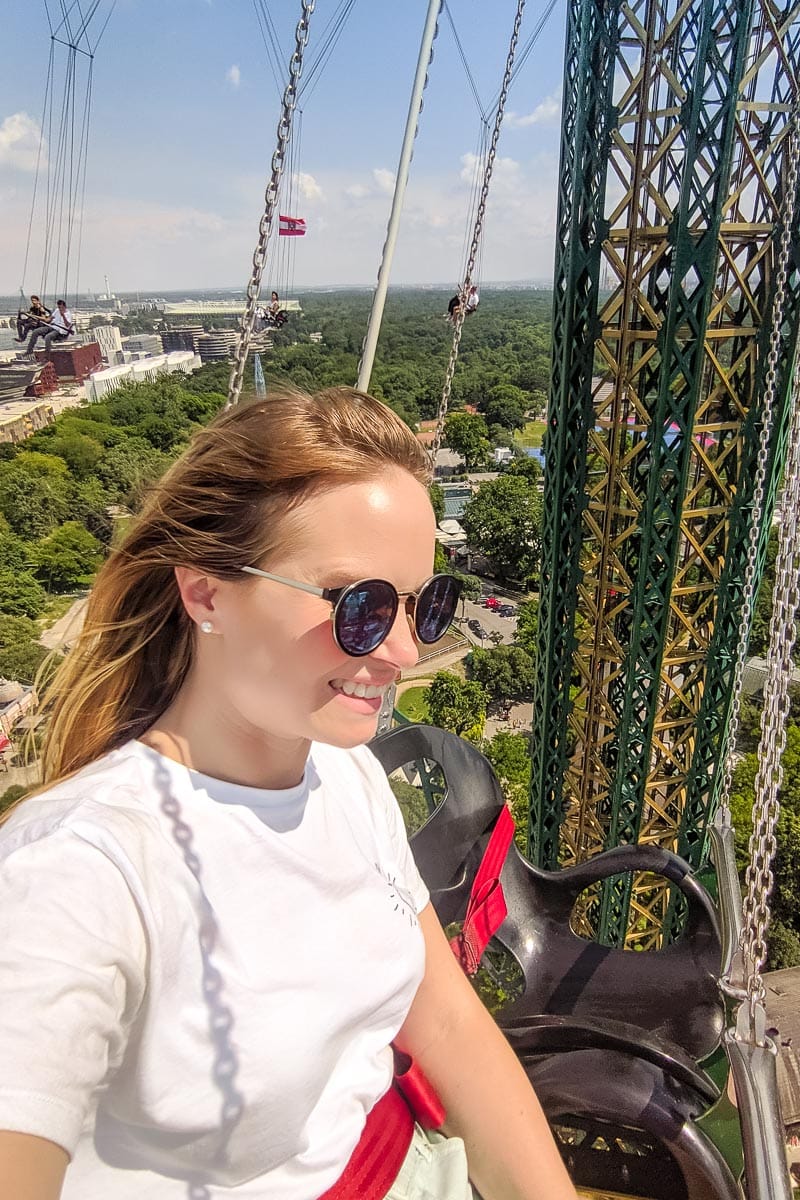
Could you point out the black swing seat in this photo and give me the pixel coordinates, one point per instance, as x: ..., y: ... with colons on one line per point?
x: 610, y: 1038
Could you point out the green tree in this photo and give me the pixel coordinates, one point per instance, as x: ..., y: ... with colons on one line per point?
x: 128, y: 470
x: 510, y: 756
x: 13, y: 793
x: 411, y: 801
x: 471, y: 585
x: 21, y: 594
x: 458, y: 705
x: 436, y: 494
x: 527, y: 626
x: 467, y: 435
x: 22, y: 661
x: 783, y: 947
x: 35, y: 493
x: 506, y: 672
x: 503, y: 521
x: 505, y: 405
x: 14, y: 553
x: 66, y: 556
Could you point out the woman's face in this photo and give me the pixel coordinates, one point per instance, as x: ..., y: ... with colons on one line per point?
x: 273, y: 654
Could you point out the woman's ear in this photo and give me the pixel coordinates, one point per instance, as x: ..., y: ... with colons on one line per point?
x: 197, y: 593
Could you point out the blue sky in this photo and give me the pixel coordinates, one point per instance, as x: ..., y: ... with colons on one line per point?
x: 183, y: 130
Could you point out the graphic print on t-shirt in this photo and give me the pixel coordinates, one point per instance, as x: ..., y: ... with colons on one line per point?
x: 400, y: 897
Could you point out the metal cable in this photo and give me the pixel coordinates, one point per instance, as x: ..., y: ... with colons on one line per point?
x: 460, y: 313
x: 462, y: 55
x: 270, y: 198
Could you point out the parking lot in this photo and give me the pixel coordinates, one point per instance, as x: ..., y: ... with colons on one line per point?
x: 489, y: 620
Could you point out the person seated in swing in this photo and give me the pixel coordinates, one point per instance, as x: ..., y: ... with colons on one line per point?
x: 473, y: 300
x: 277, y: 315
x: 453, y: 307
x: 36, y: 315
x: 57, y: 329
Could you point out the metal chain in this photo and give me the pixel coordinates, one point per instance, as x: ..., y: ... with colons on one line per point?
x: 762, y: 457
x: 270, y: 200
x: 782, y: 633
x: 416, y: 134
x: 460, y: 313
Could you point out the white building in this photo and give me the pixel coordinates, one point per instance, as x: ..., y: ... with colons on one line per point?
x: 100, y: 383
x: 109, y: 339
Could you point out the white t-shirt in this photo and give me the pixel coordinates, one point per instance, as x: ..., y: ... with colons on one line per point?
x: 62, y: 323
x: 199, y: 981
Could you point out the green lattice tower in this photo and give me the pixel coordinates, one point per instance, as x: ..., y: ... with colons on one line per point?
x: 673, y: 151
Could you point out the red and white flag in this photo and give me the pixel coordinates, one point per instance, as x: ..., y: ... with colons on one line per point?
x: 291, y: 226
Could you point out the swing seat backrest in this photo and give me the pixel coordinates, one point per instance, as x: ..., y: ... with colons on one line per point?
x: 671, y: 993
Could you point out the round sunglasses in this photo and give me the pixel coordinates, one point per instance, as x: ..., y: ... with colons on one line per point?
x: 364, y: 612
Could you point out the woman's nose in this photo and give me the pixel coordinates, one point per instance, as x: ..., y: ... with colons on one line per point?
x: 400, y: 647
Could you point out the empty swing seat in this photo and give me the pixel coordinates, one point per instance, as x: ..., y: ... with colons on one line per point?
x: 610, y: 1038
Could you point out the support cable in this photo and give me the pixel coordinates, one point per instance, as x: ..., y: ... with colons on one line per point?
x: 465, y: 64
x: 460, y: 312
x: 270, y: 198
x: 424, y: 60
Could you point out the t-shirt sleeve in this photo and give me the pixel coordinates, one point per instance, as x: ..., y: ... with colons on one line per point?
x: 404, y: 859
x: 72, y: 971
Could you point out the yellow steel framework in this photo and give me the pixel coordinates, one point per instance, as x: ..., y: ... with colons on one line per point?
x: 687, y: 216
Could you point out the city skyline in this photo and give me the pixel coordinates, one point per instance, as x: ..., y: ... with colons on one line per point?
x: 184, y: 113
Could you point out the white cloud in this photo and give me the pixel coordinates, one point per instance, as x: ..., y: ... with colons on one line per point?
x: 384, y: 179
x: 545, y: 113
x: 356, y: 191
x: 308, y: 187
x: 19, y: 142
x: 234, y: 76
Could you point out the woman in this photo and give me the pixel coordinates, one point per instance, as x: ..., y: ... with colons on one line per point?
x: 211, y: 925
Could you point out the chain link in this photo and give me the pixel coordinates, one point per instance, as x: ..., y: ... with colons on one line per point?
x: 766, y: 808
x: 460, y: 313
x: 270, y: 200
x: 783, y: 258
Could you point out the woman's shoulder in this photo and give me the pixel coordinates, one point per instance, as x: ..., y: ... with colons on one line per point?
x: 108, y: 796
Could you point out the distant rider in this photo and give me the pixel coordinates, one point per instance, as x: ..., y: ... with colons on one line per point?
x: 57, y: 329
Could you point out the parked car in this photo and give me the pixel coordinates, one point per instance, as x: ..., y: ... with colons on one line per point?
x: 476, y: 627
x: 492, y: 602
x: 507, y: 610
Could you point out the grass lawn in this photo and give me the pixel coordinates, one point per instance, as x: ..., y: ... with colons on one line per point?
x: 530, y: 436
x: 412, y: 704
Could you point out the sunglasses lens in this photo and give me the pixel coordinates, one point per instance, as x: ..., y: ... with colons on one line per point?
x: 436, y: 607
x: 364, y: 615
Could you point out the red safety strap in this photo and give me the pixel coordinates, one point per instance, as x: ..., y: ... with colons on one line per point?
x: 487, y: 909
x: 374, y: 1164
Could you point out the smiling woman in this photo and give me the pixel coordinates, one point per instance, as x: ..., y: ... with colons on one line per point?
x: 212, y: 931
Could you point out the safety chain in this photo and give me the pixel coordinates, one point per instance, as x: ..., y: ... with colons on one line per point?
x: 460, y: 313
x: 762, y: 458
x: 416, y: 135
x: 270, y: 200
x: 782, y: 633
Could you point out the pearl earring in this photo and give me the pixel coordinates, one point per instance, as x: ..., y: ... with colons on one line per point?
x: 206, y: 627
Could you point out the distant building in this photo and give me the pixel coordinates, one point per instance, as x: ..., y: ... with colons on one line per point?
x: 143, y: 370
x: 501, y: 455
x: 21, y: 418
x: 181, y: 337
x: 143, y: 343
x: 217, y: 346
x: 109, y: 339
x: 15, y: 700
x: 315, y: 337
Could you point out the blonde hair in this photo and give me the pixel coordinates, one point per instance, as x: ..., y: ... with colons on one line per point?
x: 221, y: 506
